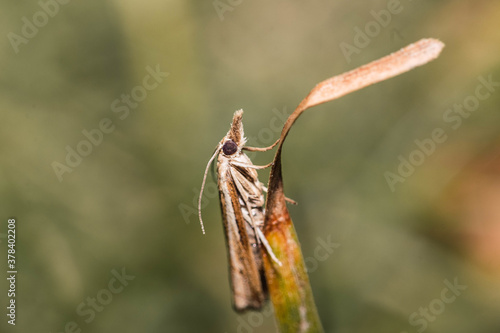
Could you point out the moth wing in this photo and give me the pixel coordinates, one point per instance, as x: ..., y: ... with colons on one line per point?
x: 248, y: 291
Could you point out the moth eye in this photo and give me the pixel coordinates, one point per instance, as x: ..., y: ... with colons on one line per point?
x: 229, y: 147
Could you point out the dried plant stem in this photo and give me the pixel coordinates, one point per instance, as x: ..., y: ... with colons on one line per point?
x: 289, y: 287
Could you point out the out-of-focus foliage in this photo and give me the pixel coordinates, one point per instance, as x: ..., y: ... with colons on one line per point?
x: 130, y: 204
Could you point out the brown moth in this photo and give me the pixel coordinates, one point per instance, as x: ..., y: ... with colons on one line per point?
x: 242, y: 205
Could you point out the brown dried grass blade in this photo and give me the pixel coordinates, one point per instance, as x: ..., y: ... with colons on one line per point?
x: 406, y: 59
x: 288, y: 285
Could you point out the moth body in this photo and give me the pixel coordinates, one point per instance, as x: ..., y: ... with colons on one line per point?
x: 242, y: 206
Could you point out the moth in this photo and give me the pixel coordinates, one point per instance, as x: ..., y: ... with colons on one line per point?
x: 242, y: 205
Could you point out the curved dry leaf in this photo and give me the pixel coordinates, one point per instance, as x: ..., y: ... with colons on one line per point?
x: 288, y: 285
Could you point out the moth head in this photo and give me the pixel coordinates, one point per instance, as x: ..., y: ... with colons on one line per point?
x: 229, y: 147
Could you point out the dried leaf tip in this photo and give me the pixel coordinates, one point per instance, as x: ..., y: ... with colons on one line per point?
x: 423, y: 51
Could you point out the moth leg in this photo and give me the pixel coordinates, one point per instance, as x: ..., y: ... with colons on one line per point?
x: 260, y: 235
x: 293, y: 202
x: 267, y: 246
x: 263, y: 148
x: 246, y: 165
x: 242, y: 192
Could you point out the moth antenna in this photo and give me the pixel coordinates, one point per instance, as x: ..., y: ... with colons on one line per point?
x: 203, y: 187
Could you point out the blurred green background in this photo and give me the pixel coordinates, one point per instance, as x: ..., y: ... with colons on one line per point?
x: 130, y: 204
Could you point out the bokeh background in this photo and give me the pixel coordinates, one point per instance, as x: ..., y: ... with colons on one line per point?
x: 130, y: 204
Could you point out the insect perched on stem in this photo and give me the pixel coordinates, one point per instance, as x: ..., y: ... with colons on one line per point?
x: 242, y: 205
